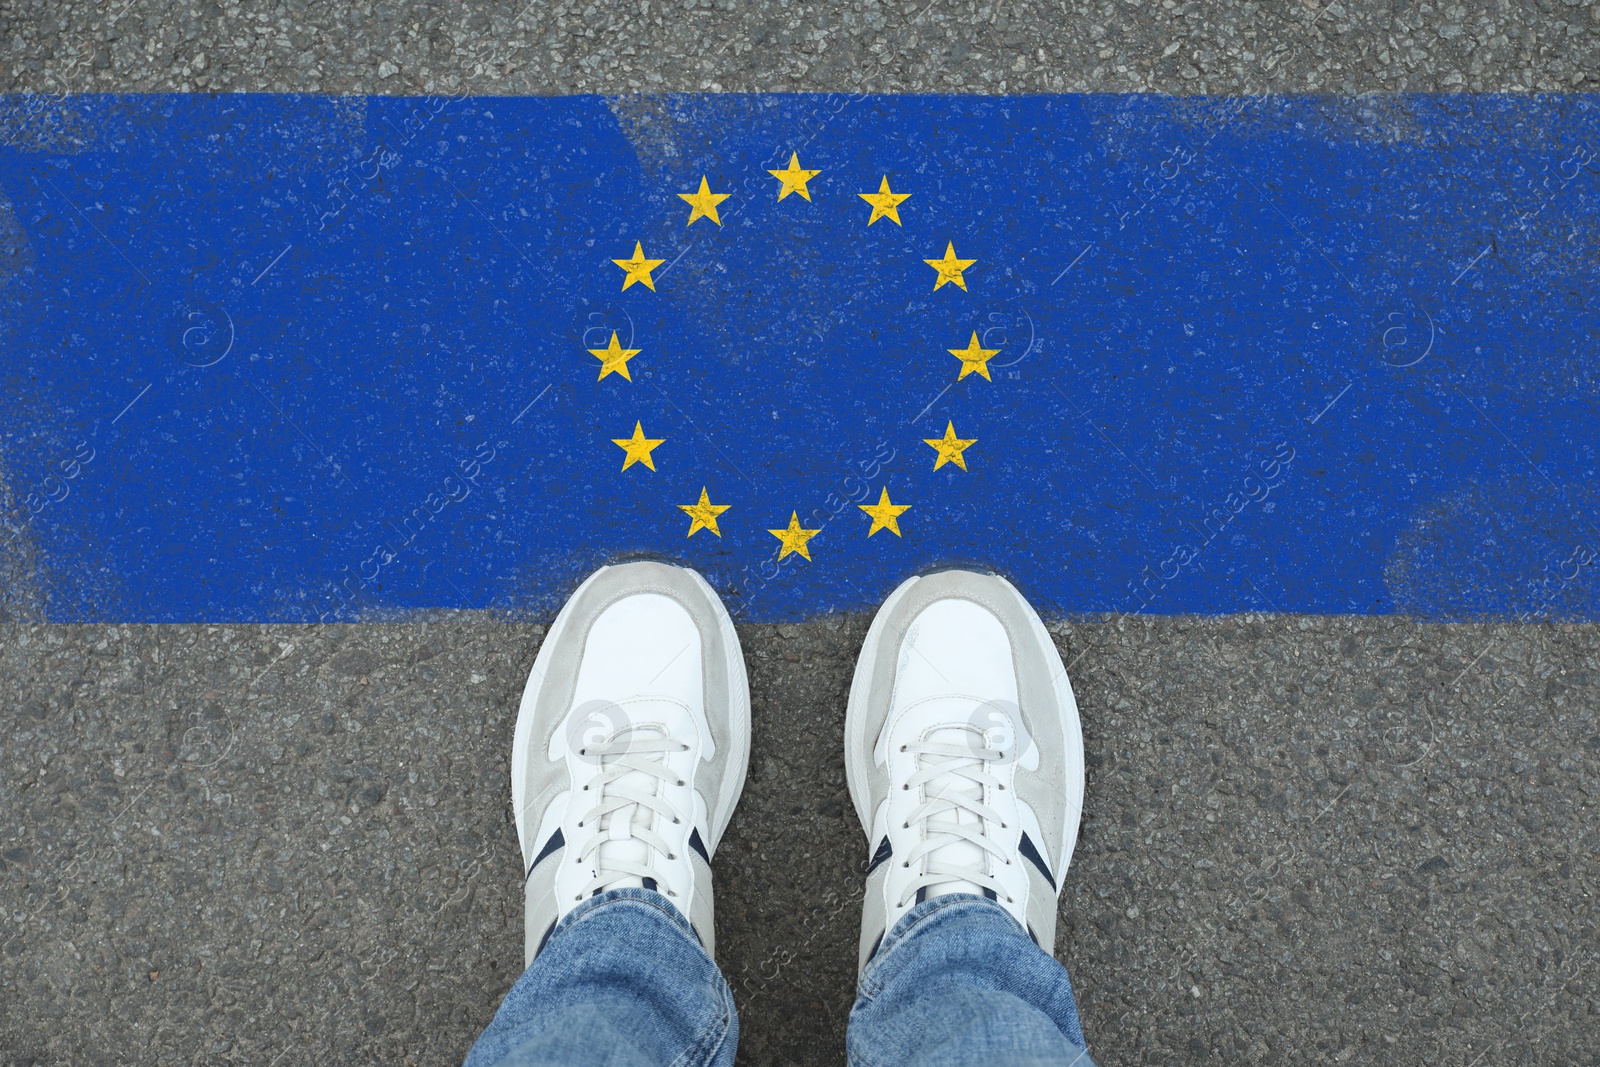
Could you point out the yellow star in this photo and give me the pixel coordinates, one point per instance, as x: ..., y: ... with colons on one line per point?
x: 885, y: 204
x: 794, y: 538
x: 949, y: 267
x: 974, y: 358
x: 638, y: 447
x: 885, y: 516
x: 614, y: 358
x: 704, y: 203
x: 639, y: 268
x: 704, y: 514
x: 949, y: 447
x: 794, y: 181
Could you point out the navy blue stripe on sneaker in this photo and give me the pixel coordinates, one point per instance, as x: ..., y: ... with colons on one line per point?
x: 878, y: 857
x: 699, y: 845
x: 1031, y: 853
x: 556, y: 841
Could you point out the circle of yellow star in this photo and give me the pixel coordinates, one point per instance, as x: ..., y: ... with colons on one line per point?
x: 637, y: 447
x: 794, y: 538
x: 949, y: 267
x: 703, y: 514
x: 885, y: 515
x: 974, y: 358
x: 704, y: 203
x: 614, y: 358
x: 949, y: 447
x: 638, y: 268
x: 794, y: 181
x: 885, y: 204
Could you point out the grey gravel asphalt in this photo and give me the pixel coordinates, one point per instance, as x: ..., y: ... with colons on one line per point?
x: 1327, y: 840
x: 1016, y: 46
x: 1307, y: 840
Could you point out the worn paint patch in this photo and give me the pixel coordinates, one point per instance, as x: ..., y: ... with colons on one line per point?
x: 290, y: 358
x: 21, y: 597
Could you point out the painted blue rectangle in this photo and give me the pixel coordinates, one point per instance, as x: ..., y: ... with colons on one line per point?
x: 273, y: 358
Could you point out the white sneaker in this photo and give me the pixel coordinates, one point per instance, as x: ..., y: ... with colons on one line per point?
x: 631, y: 746
x: 964, y: 754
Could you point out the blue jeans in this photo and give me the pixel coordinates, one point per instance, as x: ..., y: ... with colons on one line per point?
x: 623, y: 980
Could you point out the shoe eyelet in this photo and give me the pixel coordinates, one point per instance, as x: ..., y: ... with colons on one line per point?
x: 905, y: 826
x: 676, y: 820
x: 680, y: 781
x: 907, y: 863
x: 907, y: 788
x: 670, y: 856
x: 903, y: 747
x: 583, y: 752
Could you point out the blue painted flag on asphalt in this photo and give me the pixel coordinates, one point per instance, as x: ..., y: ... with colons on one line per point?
x: 287, y: 358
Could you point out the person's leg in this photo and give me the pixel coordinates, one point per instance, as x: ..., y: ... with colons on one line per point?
x: 959, y: 982
x: 630, y: 752
x: 965, y: 761
x: 622, y: 980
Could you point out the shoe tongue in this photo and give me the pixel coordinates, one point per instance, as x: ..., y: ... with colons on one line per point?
x: 958, y: 853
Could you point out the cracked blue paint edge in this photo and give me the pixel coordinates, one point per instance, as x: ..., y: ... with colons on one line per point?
x: 300, y: 358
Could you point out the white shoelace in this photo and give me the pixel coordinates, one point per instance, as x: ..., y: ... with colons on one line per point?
x: 627, y: 804
x: 953, y: 819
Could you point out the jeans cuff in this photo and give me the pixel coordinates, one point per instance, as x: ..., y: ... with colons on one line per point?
x: 909, y: 923
x: 646, y: 898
